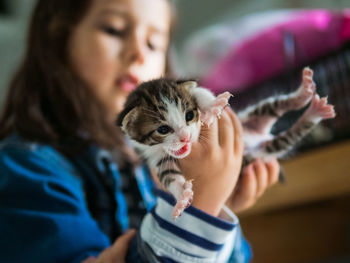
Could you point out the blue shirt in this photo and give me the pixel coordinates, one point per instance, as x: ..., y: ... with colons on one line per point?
x: 55, y: 208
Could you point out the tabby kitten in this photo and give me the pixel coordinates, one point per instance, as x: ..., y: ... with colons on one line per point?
x: 162, y: 118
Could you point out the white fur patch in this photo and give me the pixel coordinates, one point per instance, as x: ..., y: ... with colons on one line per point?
x: 177, y: 121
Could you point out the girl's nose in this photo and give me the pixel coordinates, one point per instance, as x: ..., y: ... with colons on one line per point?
x: 135, y: 52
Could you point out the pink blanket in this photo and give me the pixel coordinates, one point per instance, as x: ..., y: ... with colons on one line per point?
x: 315, y: 33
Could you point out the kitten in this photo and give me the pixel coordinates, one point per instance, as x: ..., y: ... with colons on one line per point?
x: 162, y: 118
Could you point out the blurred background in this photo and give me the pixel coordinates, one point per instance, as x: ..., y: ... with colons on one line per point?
x: 257, y: 49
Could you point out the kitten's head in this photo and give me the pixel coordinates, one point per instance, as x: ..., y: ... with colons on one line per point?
x: 162, y: 114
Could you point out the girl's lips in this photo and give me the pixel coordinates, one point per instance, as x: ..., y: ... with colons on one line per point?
x: 128, y: 83
x: 127, y: 86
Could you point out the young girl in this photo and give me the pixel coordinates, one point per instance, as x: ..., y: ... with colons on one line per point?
x: 70, y: 185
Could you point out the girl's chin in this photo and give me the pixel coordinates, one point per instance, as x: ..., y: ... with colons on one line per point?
x: 119, y: 103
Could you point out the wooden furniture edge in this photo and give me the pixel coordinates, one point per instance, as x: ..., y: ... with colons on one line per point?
x: 314, y: 175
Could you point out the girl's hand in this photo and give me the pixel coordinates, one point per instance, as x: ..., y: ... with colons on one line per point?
x: 115, y: 253
x: 215, y: 163
x: 255, y: 179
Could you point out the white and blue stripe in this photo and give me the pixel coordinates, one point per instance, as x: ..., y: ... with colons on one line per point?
x: 193, y: 237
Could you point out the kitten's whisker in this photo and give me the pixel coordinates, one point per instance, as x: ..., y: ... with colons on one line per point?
x: 206, y: 140
x: 203, y: 138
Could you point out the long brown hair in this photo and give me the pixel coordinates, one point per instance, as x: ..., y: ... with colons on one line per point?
x: 46, y: 101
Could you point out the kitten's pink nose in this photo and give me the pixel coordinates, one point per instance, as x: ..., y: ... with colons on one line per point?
x: 186, y: 138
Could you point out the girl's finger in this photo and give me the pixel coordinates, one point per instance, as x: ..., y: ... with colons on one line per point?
x: 261, y: 177
x: 121, y: 245
x: 248, y: 183
x: 273, y: 168
x: 225, y: 130
x: 207, y: 141
x: 89, y: 260
x: 116, y: 252
x: 209, y: 135
x: 237, y: 131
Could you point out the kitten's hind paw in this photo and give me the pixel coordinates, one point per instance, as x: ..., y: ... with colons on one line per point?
x: 306, y: 91
x: 321, y: 106
x: 185, y: 200
x: 320, y: 109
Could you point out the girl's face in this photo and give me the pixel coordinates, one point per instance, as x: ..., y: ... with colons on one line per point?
x: 118, y: 44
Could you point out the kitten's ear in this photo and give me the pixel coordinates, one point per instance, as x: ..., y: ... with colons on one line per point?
x: 127, y: 115
x: 189, y: 84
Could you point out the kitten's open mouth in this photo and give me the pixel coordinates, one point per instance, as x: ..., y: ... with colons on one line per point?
x: 182, y: 152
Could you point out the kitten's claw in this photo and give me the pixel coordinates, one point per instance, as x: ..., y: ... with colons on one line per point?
x: 226, y: 95
x: 306, y: 91
x: 215, y: 110
x: 185, y: 200
x: 188, y: 184
x: 320, y: 109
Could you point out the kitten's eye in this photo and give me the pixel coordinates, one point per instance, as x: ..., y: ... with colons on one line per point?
x: 163, y: 129
x: 189, y: 115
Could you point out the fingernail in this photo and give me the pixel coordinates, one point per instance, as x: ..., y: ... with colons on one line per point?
x: 248, y: 168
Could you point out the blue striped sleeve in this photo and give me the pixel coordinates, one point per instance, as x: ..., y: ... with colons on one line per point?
x: 193, y: 237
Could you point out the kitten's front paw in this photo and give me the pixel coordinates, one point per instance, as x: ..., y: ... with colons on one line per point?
x: 209, y: 114
x: 184, y: 201
x: 320, y: 109
x: 306, y: 91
